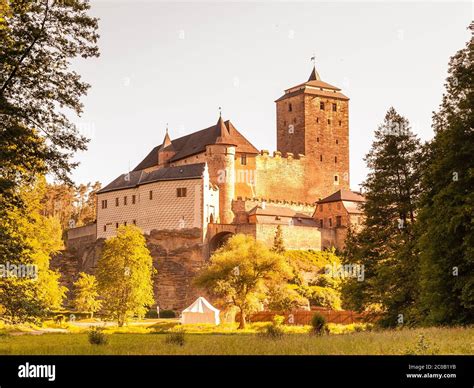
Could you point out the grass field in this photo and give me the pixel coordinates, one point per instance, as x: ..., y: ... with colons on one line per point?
x: 405, y: 341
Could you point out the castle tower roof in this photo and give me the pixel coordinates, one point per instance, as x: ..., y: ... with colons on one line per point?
x: 223, y: 135
x: 166, y: 140
x: 314, y: 75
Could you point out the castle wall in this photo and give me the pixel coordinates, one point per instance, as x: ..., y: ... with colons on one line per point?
x: 281, y: 177
x: 295, y: 237
x: 165, y: 210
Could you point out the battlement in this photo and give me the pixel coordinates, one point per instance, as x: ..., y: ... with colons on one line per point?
x: 279, y: 155
x: 246, y: 204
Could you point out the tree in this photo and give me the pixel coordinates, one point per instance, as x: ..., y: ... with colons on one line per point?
x: 278, y: 242
x: 86, y: 298
x: 28, y: 298
x: 124, y: 274
x: 445, y: 225
x: 37, y: 41
x: 239, y: 273
x: 386, y: 243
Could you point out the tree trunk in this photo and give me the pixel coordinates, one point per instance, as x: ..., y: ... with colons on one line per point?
x: 242, y: 320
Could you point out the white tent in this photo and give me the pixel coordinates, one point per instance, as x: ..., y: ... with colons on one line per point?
x: 201, y: 311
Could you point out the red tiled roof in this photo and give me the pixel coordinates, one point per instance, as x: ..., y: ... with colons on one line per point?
x: 343, y: 195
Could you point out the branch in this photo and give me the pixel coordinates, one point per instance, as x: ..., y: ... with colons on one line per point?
x: 27, y: 51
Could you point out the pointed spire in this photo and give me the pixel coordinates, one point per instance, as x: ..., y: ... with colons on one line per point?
x: 314, y: 75
x: 167, y: 139
x: 223, y: 135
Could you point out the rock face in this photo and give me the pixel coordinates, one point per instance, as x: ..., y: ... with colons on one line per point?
x: 177, y: 256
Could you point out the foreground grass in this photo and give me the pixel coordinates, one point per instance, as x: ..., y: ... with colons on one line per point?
x: 406, y: 341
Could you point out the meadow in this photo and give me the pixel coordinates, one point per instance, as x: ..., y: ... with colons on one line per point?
x: 153, y: 340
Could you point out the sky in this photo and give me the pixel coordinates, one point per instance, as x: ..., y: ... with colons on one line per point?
x: 175, y: 64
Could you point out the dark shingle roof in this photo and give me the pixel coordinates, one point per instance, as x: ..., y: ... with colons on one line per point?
x: 196, y: 142
x: 343, y: 195
x: 136, y: 178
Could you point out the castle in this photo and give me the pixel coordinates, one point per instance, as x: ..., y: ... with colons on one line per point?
x: 215, y: 183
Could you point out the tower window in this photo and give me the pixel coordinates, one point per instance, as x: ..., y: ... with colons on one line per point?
x: 150, y: 194
x: 243, y: 160
x: 320, y: 158
x: 125, y: 200
x: 105, y: 228
x: 317, y: 119
x: 181, y: 192
x: 337, y: 141
x: 133, y: 199
x: 290, y: 107
x: 116, y: 225
x: 125, y: 223
x: 330, y: 222
x: 336, y: 180
x: 317, y: 139
x: 321, y: 105
x: 334, y: 107
x: 116, y: 201
x: 335, y: 159
x: 329, y: 121
x: 340, y: 122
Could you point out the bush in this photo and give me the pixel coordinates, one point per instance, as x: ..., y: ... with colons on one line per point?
x: 167, y: 314
x: 318, y: 325
x: 151, y: 314
x: 274, y: 330
x: 175, y: 338
x: 97, y: 336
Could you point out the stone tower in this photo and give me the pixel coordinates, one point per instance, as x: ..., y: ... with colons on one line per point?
x: 313, y: 120
x: 221, y: 163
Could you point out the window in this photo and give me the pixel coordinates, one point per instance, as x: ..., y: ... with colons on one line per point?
x: 317, y: 139
x: 321, y: 223
x: 181, y: 192
x: 336, y: 179
x: 134, y: 222
x: 329, y: 121
x: 290, y: 107
x: 334, y: 107
x: 321, y: 105
x: 104, y: 204
x: 320, y: 158
x: 125, y: 223
x: 330, y: 222
x: 335, y: 159
x: 116, y: 224
x: 317, y: 119
x: 243, y: 160
x: 133, y: 199
x: 151, y: 194
x: 116, y: 201
x: 340, y: 122
x: 125, y: 200
x: 338, y: 221
x: 105, y: 228
x: 337, y: 141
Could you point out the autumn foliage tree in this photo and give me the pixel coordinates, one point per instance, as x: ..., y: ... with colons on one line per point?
x: 86, y: 294
x: 124, y: 275
x: 241, y: 272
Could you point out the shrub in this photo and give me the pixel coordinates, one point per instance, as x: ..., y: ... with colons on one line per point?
x: 167, y: 314
x: 152, y: 314
x: 274, y: 330
x: 318, y: 325
x: 97, y: 336
x: 175, y: 338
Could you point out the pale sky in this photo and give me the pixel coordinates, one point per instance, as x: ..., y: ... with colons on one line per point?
x: 176, y: 63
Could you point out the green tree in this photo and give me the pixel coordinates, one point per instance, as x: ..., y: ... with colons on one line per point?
x: 278, y: 242
x: 240, y: 272
x: 445, y: 218
x: 386, y: 243
x: 31, y: 298
x: 87, y: 295
x: 124, y: 274
x: 38, y: 39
